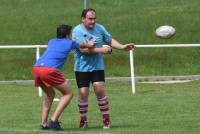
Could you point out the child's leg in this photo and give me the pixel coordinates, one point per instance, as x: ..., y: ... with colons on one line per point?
x: 64, y: 101
x: 47, y: 102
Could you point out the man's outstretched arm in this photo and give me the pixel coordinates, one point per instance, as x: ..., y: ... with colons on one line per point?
x: 126, y: 47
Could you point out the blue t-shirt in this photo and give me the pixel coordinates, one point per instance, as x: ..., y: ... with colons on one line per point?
x: 56, y: 53
x: 90, y: 62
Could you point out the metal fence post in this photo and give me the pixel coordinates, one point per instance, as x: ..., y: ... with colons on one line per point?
x: 132, y: 72
x: 86, y: 4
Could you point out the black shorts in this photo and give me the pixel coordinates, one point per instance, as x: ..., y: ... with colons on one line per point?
x: 83, y: 79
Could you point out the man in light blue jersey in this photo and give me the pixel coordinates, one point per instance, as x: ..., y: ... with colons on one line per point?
x: 90, y: 67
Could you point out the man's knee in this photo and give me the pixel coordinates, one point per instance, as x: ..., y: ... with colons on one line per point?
x: 83, y: 92
x: 99, y: 88
x: 98, y: 85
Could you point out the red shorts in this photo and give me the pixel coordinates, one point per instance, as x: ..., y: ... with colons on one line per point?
x: 47, y: 77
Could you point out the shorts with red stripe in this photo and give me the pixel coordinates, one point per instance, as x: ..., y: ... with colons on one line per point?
x: 47, y: 77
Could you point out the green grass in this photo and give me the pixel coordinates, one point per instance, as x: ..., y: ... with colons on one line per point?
x: 155, y: 108
x: 34, y: 22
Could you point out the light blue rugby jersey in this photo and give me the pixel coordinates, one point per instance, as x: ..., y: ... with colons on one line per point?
x: 90, y: 62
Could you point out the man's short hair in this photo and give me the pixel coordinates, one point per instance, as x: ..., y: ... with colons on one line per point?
x: 63, y: 30
x: 85, y: 11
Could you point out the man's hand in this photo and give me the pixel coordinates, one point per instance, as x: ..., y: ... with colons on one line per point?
x: 88, y: 44
x: 128, y: 47
x: 106, y: 49
x: 103, y: 50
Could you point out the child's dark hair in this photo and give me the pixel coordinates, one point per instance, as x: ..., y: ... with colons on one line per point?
x: 84, y: 12
x: 63, y: 30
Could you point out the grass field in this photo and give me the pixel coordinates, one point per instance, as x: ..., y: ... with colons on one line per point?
x: 34, y: 22
x: 155, y: 109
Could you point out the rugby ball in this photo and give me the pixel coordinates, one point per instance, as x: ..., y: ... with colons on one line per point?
x: 165, y: 31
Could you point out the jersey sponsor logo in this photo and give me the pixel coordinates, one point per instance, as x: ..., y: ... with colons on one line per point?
x: 90, y: 37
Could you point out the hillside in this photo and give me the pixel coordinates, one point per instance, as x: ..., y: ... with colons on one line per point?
x: 33, y: 22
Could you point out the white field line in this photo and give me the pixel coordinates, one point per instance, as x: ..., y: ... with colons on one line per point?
x: 168, y: 82
x: 78, y: 131
x: 18, y: 130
